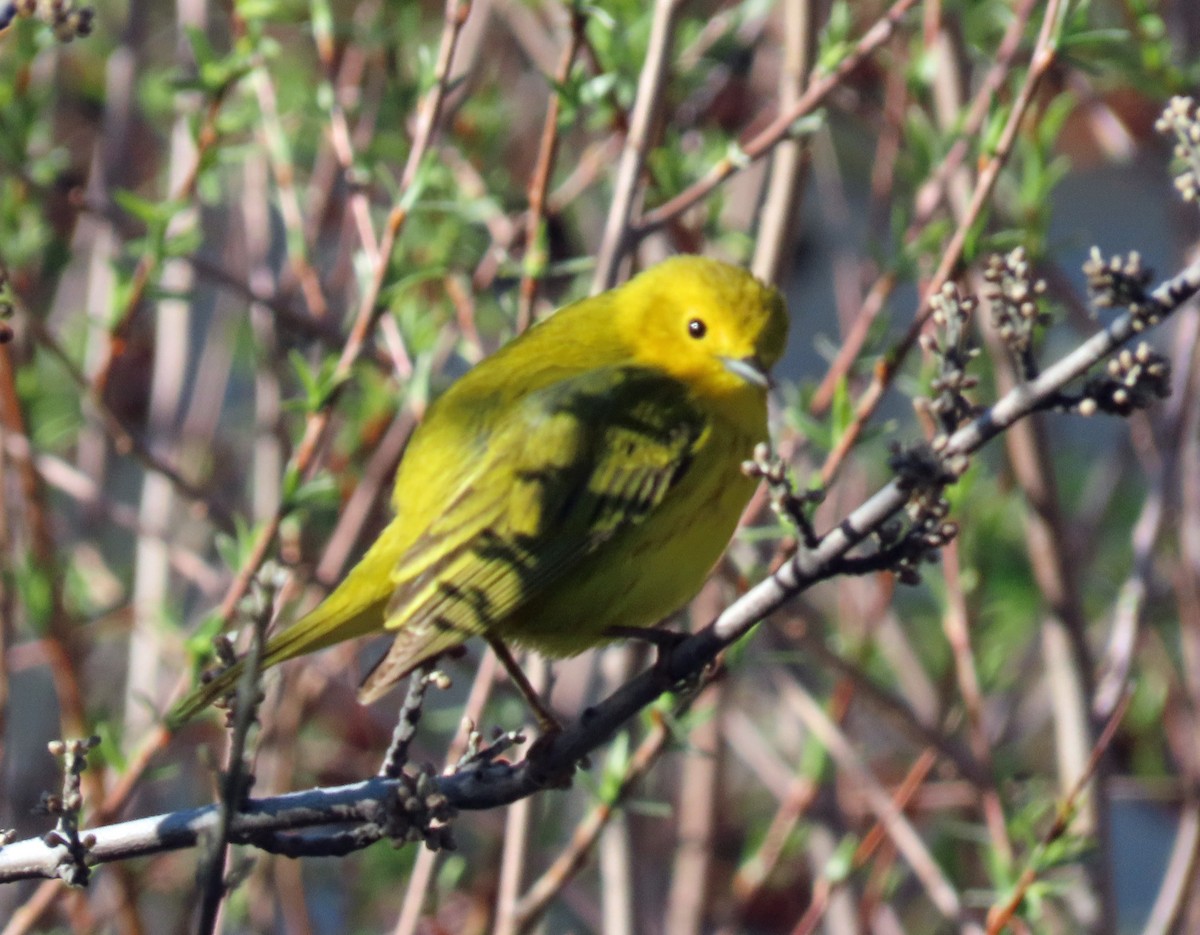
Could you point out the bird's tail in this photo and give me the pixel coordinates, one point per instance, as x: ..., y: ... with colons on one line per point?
x: 354, y: 609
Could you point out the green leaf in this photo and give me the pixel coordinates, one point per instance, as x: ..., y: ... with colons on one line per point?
x: 841, y: 864
x: 150, y: 212
x: 841, y: 410
x: 616, y: 765
x: 318, y: 383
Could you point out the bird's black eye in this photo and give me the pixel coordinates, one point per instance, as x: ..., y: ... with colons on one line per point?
x: 697, y: 328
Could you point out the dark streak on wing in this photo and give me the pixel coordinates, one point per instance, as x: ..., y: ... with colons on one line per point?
x: 623, y: 437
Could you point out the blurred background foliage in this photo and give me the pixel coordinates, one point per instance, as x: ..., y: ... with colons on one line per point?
x: 197, y: 206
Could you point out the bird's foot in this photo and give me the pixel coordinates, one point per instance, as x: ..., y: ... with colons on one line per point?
x: 664, y: 642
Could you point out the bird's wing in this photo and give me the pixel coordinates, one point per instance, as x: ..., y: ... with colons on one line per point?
x: 575, y: 463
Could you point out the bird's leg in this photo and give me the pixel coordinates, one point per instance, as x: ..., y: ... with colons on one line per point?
x: 547, y: 723
x: 664, y: 641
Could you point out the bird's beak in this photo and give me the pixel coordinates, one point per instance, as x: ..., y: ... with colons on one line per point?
x: 750, y: 369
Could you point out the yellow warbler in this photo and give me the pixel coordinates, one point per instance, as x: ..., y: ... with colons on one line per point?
x: 585, y: 477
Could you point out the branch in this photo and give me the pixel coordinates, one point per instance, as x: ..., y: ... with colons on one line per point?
x: 401, y: 808
x: 637, y: 145
x: 779, y: 129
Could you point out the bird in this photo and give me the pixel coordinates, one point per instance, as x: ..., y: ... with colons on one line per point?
x: 577, y: 485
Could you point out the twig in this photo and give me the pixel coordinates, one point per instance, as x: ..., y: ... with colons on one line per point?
x: 1130, y: 603
x: 206, y: 139
x: 900, y: 715
x: 67, y: 479
x: 752, y: 876
x: 616, y: 235
x: 538, y: 897
x: 1068, y: 663
x: 887, y: 811
x: 340, y: 137
x: 489, y: 782
x: 539, y: 183
x: 518, y: 819
x: 62, y: 637
x: 1043, y: 58
x: 1178, y: 888
x: 67, y: 808
x: 779, y: 129
x: 1179, y: 877
x: 235, y: 782
x: 126, y: 442
x: 289, y: 318
x: 422, y: 872
x: 369, y: 310
x: 698, y: 814
x: 957, y: 627
x: 807, y: 567
x: 409, y: 717
x: 279, y: 153
x: 933, y: 189
x: 777, y: 229
x: 1000, y: 914
x: 825, y: 887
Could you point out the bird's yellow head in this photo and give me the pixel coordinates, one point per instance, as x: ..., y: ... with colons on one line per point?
x: 707, y: 323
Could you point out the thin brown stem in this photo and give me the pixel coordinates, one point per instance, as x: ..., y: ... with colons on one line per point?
x: 937, y: 887
x: 369, y: 309
x: 626, y: 185
x: 1000, y: 914
x: 283, y: 170
x: 542, y: 892
x: 1044, y: 56
x: 778, y: 129
x: 956, y: 624
x: 421, y: 876
x: 125, y: 442
x: 777, y: 229
x: 539, y: 183
x: 206, y: 139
